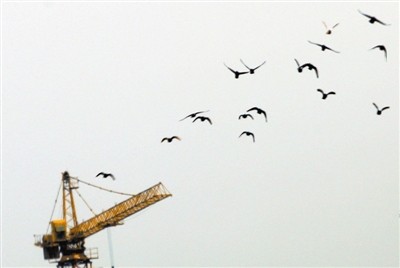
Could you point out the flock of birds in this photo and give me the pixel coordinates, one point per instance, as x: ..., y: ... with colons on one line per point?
x: 197, y: 116
x: 300, y: 68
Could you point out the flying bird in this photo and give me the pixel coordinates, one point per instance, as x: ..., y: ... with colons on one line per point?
x: 298, y: 66
x: 170, y: 139
x: 323, y: 47
x: 308, y: 65
x: 203, y: 118
x: 248, y: 134
x: 372, y: 19
x: 329, y: 30
x: 379, y: 111
x: 105, y: 175
x: 299, y: 69
x: 250, y: 69
x: 245, y: 116
x: 237, y: 74
x: 193, y: 115
x: 383, y: 48
x: 259, y: 111
x: 325, y: 95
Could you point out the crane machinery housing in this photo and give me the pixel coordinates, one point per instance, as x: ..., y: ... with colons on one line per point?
x: 65, y: 244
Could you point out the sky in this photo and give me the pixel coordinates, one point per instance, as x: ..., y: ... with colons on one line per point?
x: 94, y: 86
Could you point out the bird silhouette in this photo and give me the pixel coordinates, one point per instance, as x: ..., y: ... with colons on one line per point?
x: 105, y: 175
x: 379, y: 111
x: 250, y: 69
x: 237, y: 74
x: 306, y: 65
x: 329, y: 30
x: 203, y: 118
x: 323, y: 47
x: 325, y: 95
x: 248, y: 134
x: 245, y: 116
x: 170, y: 139
x: 299, y: 69
x: 193, y: 115
x: 383, y: 48
x: 372, y: 19
x: 259, y: 111
x: 310, y: 67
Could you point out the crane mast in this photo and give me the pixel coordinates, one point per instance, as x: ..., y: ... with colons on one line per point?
x: 65, y: 244
x: 69, y: 211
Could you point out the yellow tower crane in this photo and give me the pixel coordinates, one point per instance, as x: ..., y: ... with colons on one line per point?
x: 64, y: 245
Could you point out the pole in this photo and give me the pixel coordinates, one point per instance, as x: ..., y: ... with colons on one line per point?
x: 110, y: 247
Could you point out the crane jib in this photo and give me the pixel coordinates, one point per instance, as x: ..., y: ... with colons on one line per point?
x: 114, y: 215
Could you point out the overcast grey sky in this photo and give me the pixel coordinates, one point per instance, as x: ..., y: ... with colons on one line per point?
x: 90, y: 87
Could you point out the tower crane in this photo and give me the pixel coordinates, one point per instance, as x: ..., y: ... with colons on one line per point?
x: 65, y: 244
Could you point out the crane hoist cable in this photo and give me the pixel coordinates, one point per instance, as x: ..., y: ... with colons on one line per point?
x: 87, y: 183
x: 54, y: 207
x: 87, y: 204
x: 101, y: 188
